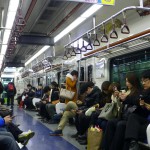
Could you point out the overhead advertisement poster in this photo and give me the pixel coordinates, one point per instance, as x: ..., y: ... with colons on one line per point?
x: 103, y: 2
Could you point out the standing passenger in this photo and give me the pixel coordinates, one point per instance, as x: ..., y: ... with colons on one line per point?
x: 11, y: 92
x: 71, y: 81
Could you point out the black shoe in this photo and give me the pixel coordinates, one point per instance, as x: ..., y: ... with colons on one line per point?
x: 134, y: 146
x: 83, y: 142
x: 38, y: 115
x: 82, y: 137
x: 74, y: 135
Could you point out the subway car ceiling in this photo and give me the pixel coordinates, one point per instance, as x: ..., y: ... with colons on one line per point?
x: 38, y: 24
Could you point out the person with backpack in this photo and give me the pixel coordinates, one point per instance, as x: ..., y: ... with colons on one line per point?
x: 11, y: 92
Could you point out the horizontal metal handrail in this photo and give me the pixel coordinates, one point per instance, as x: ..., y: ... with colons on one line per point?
x: 110, y: 18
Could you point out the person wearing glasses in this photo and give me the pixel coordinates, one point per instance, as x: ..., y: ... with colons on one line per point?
x: 138, y: 121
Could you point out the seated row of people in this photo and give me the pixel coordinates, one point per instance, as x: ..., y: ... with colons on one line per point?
x: 122, y: 132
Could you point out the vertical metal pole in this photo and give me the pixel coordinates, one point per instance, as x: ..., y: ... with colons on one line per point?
x: 141, y: 3
x: 85, y: 72
x: 79, y: 74
x: 61, y: 73
x: 94, y: 23
x: 53, y: 51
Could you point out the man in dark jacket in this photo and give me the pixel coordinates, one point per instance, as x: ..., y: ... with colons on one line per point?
x: 11, y: 92
x: 93, y: 97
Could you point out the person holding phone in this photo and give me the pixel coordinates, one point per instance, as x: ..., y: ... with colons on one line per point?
x: 138, y: 121
x: 115, y: 130
x: 6, y: 125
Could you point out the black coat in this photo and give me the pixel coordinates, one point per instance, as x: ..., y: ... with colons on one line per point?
x: 142, y: 111
x: 93, y: 98
x: 55, y: 94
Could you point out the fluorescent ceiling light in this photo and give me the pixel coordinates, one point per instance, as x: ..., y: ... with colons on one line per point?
x: 78, y: 21
x: 1, y: 57
x: 10, y: 19
x: 91, y: 10
x: 69, y: 28
x: 19, y: 69
x: 3, y: 50
x: 6, y: 36
x: 12, y: 9
x: 13, y: 5
x: 37, y: 54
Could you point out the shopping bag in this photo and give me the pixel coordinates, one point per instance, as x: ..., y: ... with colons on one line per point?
x: 60, y: 107
x: 67, y: 94
x: 109, y: 111
x: 94, y: 139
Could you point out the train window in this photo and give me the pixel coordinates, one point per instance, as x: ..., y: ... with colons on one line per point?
x: 135, y: 62
x: 82, y: 74
x: 90, y: 73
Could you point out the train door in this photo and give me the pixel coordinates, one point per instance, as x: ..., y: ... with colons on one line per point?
x: 81, y: 73
x: 90, y: 72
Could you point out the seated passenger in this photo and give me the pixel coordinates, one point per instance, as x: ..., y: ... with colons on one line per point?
x: 42, y: 104
x: 29, y: 96
x: 138, y: 121
x: 54, y: 99
x: 114, y: 135
x: 92, y: 98
x: 6, y: 125
x: 38, y: 95
x: 7, y: 142
x: 83, y: 121
x: 114, y: 89
x: 39, y: 91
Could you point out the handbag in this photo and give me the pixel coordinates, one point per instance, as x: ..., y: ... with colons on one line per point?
x: 67, y: 94
x: 109, y: 111
x: 94, y: 138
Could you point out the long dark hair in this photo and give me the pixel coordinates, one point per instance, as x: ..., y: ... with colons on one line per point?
x: 135, y: 82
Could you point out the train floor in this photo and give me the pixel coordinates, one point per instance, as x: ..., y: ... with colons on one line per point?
x: 42, y: 140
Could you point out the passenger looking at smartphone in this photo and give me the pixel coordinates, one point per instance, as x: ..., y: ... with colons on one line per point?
x: 10, y: 133
x: 115, y: 130
x: 138, y: 121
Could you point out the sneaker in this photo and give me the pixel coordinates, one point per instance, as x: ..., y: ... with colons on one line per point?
x: 25, y: 136
x: 56, y: 133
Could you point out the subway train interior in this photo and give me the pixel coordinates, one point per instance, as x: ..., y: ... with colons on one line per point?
x: 75, y: 74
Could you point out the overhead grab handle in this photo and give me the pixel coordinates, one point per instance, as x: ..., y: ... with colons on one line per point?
x: 65, y: 56
x: 104, y: 37
x: 125, y: 29
x: 73, y: 53
x: 78, y: 50
x: 96, y: 41
x: 68, y: 53
x: 89, y: 46
x: 113, y: 33
x: 83, y: 48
